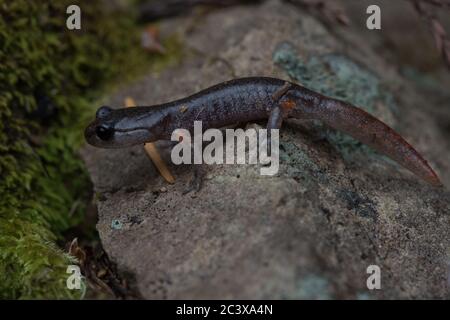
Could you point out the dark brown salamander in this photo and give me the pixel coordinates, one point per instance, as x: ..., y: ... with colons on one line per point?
x: 250, y: 99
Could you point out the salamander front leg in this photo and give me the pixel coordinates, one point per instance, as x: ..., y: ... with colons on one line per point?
x: 196, y: 182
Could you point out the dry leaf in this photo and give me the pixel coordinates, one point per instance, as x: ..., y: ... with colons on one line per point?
x: 150, y: 40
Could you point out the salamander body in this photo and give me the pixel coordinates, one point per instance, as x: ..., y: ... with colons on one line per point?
x: 250, y: 99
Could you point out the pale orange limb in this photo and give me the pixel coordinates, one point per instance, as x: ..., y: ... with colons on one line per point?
x: 153, y: 152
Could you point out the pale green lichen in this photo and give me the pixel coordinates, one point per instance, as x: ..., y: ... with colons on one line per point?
x: 298, y: 164
x: 116, y: 224
x: 338, y: 77
x: 313, y: 286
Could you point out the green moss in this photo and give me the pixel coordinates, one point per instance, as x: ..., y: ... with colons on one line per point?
x: 49, y: 78
x: 337, y: 76
x: 174, y: 54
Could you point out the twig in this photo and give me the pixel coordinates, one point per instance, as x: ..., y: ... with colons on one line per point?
x: 330, y: 10
x: 153, y: 153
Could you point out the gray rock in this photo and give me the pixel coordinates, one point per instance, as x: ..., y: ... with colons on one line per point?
x: 311, y: 231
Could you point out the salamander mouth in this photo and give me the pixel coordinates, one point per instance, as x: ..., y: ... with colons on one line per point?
x: 102, y: 136
x: 90, y: 134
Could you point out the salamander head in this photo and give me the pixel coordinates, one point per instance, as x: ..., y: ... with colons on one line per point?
x: 123, y: 127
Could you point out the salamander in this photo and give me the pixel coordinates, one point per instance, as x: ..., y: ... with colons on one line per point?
x: 251, y: 99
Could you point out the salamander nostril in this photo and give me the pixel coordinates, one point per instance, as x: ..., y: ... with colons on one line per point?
x: 103, y: 112
x: 104, y: 132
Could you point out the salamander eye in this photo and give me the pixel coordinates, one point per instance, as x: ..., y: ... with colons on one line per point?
x: 104, y: 132
x: 103, y: 112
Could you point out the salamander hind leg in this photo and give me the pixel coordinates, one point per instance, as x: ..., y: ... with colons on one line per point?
x: 277, y: 95
x: 279, y: 112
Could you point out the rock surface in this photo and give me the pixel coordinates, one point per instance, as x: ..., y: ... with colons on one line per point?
x: 311, y: 231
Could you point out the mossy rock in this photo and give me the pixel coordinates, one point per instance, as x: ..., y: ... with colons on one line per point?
x: 49, y: 77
